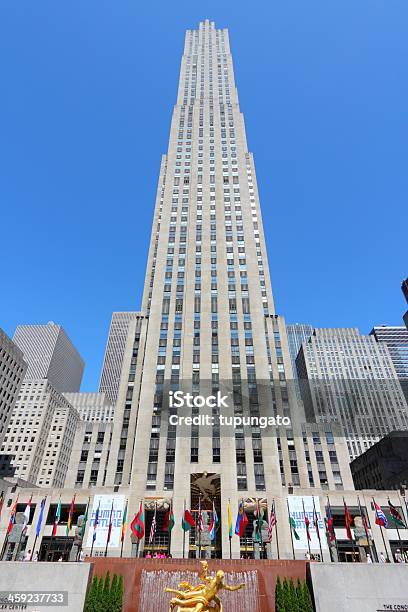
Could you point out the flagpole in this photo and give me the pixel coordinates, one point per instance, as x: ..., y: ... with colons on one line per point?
x: 290, y: 528
x: 184, y: 531
x: 307, y: 527
x: 123, y: 527
x: 364, y: 525
x: 169, y: 530
x: 317, y: 529
x: 334, y: 533
x: 83, y: 534
x: 396, y: 527
x: 381, y: 529
x: 109, y: 530
x: 260, y: 530
x: 229, y: 528
x: 276, y: 529
x: 403, y: 516
x: 199, y: 526
x: 352, y: 539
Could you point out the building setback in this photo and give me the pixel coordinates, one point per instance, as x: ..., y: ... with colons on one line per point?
x: 50, y: 354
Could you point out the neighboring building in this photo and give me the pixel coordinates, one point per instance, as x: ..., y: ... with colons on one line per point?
x: 384, y: 465
x: 396, y: 339
x: 92, y: 406
x: 51, y: 355
x: 350, y: 379
x: 12, y: 371
x: 404, y: 288
x: 115, y: 349
x: 41, y: 434
x: 89, y: 456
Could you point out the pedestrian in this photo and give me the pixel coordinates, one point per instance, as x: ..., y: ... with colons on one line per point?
x: 382, y: 557
x: 369, y: 559
x: 60, y: 559
x: 27, y: 556
x: 398, y: 557
x: 35, y: 558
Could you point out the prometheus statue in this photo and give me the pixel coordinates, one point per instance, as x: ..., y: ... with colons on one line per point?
x: 203, y: 597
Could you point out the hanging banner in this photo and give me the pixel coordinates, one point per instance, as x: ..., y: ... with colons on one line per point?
x: 104, y: 502
x: 296, y: 512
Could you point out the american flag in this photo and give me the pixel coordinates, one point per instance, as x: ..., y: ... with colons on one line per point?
x: 153, y: 528
x: 272, y: 522
x: 200, y: 524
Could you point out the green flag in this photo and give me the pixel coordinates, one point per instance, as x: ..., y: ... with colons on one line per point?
x: 168, y: 520
x: 85, y: 520
x: 293, y: 527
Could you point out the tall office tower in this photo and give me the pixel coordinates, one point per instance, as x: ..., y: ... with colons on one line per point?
x: 350, y: 379
x: 208, y: 324
x: 115, y: 348
x: 92, y: 406
x: 12, y: 370
x: 396, y: 339
x: 50, y: 354
x: 41, y: 433
x: 89, y: 456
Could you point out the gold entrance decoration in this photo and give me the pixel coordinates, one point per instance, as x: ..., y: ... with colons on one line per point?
x: 203, y: 596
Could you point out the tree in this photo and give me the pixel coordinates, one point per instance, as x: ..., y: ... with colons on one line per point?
x: 279, y: 606
x: 308, y: 605
x: 300, y: 596
x: 120, y: 594
x: 91, y: 597
x: 113, y: 593
x: 294, y: 607
x: 286, y: 596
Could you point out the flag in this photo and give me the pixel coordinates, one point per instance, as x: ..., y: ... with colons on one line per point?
x: 96, y: 521
x: 272, y: 522
x: 348, y: 520
x: 153, y: 527
x: 396, y: 516
x: 27, y: 511
x: 56, y: 519
x: 70, y: 515
x: 85, y: 519
x: 292, y: 524
x: 316, y: 523
x: 187, y: 521
x: 307, y: 523
x: 169, y: 520
x: 259, y: 522
x: 137, y: 525
x: 380, y: 518
x: 122, y: 536
x: 329, y: 524
x: 242, y: 520
x: 200, y: 524
x: 110, y: 525
x: 214, y: 522
x: 229, y: 517
x: 12, y: 517
x: 40, y: 517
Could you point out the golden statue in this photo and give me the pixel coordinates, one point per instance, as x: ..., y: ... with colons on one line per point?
x: 201, y: 597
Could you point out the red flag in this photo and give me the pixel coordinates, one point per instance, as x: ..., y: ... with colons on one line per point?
x: 137, y: 525
x: 110, y: 525
x: 307, y: 523
x: 316, y: 523
x: 348, y: 521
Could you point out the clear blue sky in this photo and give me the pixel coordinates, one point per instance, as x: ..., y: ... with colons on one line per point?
x: 87, y: 90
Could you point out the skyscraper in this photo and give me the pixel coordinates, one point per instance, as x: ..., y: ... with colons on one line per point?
x: 208, y: 324
x: 396, y: 339
x: 50, y: 354
x: 350, y: 379
x: 115, y: 349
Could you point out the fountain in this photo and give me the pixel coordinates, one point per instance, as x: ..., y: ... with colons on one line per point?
x: 154, y: 583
